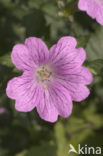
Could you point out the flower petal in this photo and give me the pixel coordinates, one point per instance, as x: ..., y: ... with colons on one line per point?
x: 99, y: 17
x: 81, y: 75
x: 83, y: 4
x: 55, y: 101
x: 38, y: 50
x: 25, y: 91
x: 66, y: 59
x: 61, y: 98
x: 77, y: 91
x: 20, y: 57
x: 63, y: 47
x: 94, y: 9
x: 46, y: 108
x: 67, y: 41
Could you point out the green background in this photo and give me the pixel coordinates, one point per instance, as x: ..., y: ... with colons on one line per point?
x: 25, y: 134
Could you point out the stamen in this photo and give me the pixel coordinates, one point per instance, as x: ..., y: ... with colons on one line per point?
x: 43, y: 74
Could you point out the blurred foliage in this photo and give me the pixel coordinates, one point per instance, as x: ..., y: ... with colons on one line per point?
x: 25, y: 134
x: 94, y: 47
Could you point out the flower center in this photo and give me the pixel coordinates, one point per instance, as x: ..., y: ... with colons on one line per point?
x: 43, y: 74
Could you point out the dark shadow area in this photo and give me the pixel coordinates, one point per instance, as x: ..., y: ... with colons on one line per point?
x: 7, y: 34
x: 35, y: 24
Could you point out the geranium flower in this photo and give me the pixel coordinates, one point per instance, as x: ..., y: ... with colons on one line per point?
x: 51, y: 79
x: 94, y: 9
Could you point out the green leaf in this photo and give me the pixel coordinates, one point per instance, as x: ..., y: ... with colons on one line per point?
x: 94, y: 46
x: 67, y: 8
x: 42, y: 150
x: 3, y: 152
x: 92, y: 117
x: 6, y: 60
x: 96, y: 66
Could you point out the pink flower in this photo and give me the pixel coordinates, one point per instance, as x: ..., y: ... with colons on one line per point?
x: 3, y: 110
x: 51, y: 79
x: 94, y: 8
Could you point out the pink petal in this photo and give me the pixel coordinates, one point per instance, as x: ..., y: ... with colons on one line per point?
x: 38, y: 50
x: 94, y: 8
x: 81, y: 75
x: 56, y: 100
x: 77, y: 91
x: 62, y: 99
x: 63, y: 47
x: 21, y: 57
x: 64, y: 60
x: 99, y: 17
x: 46, y: 108
x: 25, y: 91
x: 82, y: 6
